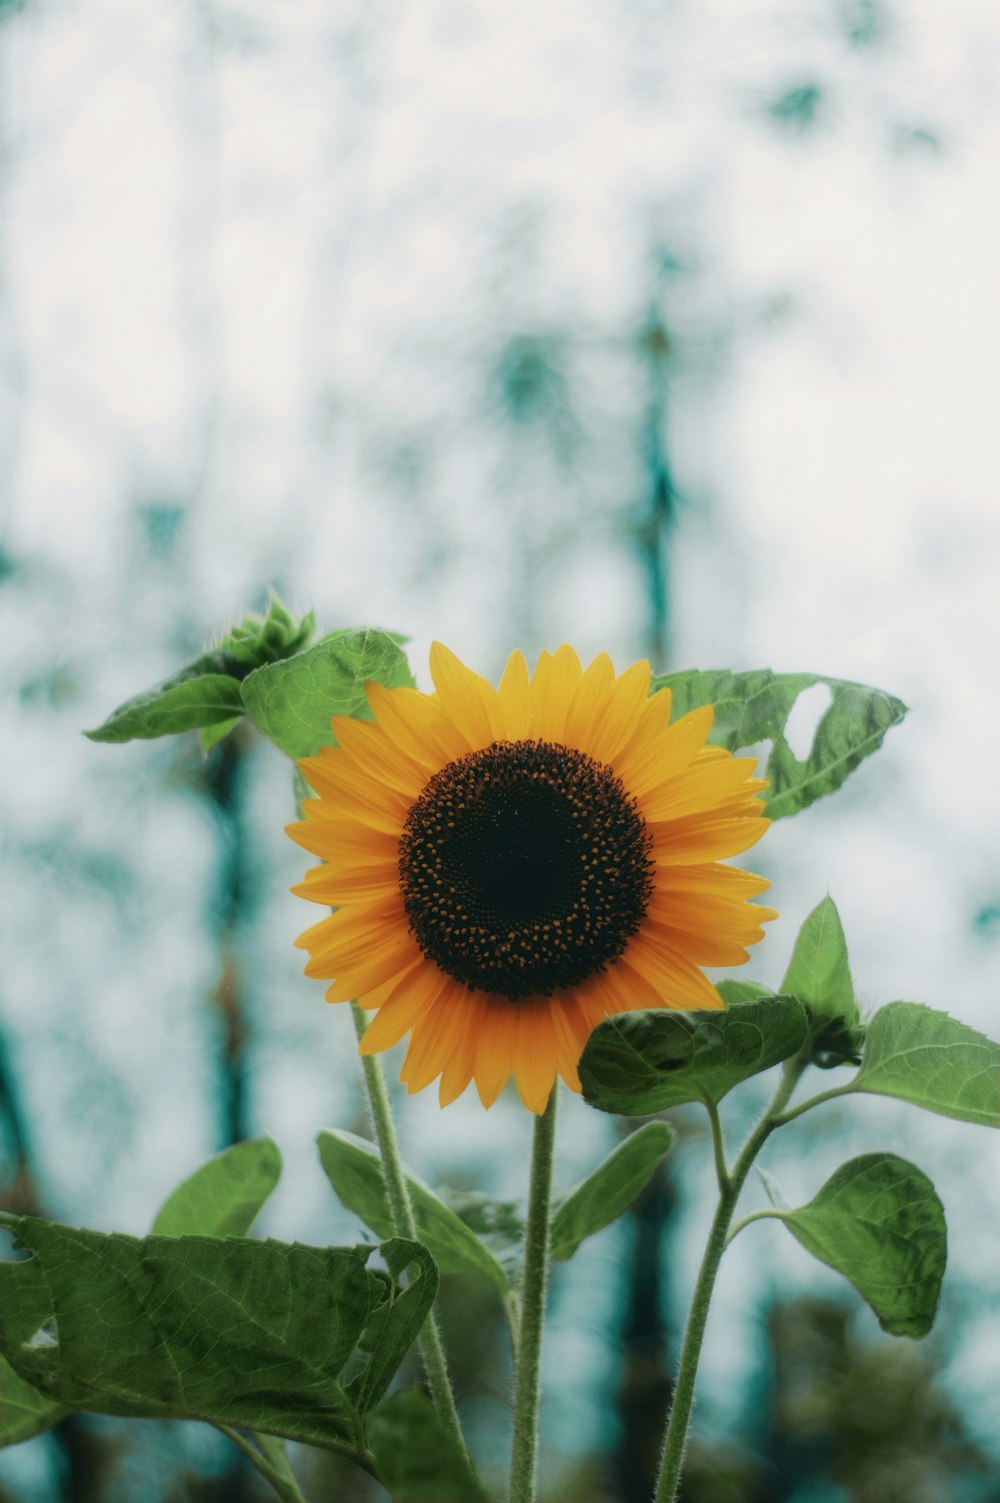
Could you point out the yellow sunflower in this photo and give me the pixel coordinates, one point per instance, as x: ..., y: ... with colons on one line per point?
x: 509, y: 866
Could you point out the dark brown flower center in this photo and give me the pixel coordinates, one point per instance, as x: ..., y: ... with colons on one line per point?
x: 524, y: 868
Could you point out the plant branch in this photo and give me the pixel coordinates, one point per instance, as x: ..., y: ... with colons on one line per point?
x: 807, y: 1106
x: 675, y: 1438
x: 764, y: 1215
x: 718, y: 1146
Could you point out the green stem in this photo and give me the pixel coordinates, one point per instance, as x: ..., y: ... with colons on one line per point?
x: 404, y: 1222
x: 765, y: 1215
x: 675, y: 1439
x: 274, y: 1465
x: 534, y: 1282
x: 807, y: 1106
x: 718, y: 1146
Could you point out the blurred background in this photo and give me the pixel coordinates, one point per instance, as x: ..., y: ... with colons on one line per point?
x: 664, y: 328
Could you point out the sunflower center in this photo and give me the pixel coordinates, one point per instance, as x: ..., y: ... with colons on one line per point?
x: 524, y: 868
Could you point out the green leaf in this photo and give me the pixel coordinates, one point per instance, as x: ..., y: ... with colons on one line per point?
x: 733, y: 993
x: 292, y: 701
x: 498, y: 1224
x: 223, y: 1197
x: 602, y: 1197
x: 418, y: 1460
x: 24, y: 1411
x: 211, y: 735
x: 879, y: 1222
x: 819, y: 974
x: 755, y: 706
x: 639, y: 1063
x: 918, y: 1054
x: 205, y: 693
x: 228, y: 1330
x: 396, y: 1323
x: 183, y: 703
x: 353, y: 1167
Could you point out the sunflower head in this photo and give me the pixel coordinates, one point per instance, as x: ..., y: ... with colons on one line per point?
x: 509, y: 866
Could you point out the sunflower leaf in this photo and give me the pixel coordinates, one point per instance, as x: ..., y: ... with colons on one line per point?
x: 879, y: 1222
x: 210, y: 735
x: 755, y: 706
x: 733, y: 993
x: 194, y: 698
x: 638, y: 1063
x: 292, y: 701
x: 251, y: 1334
x: 418, y: 1460
x: 924, y: 1056
x: 223, y: 1197
x: 819, y: 973
x: 353, y: 1167
x: 24, y: 1411
x: 602, y: 1197
x: 395, y: 1323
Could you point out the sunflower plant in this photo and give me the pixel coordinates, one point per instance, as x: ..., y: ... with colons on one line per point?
x: 528, y: 881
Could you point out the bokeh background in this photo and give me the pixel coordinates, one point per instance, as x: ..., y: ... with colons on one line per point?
x: 665, y: 328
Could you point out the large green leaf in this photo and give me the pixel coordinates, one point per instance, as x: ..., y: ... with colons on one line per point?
x: 639, y: 1063
x: 233, y: 1331
x: 818, y: 973
x: 24, y: 1411
x: 602, y: 1197
x: 879, y: 1222
x: 755, y: 706
x: 418, y: 1460
x: 223, y: 1197
x: 292, y: 701
x: 924, y: 1056
x: 353, y: 1167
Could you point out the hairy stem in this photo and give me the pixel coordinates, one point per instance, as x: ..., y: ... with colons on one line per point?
x: 807, y: 1106
x: 534, y: 1283
x: 675, y: 1438
x: 431, y: 1347
x: 718, y: 1147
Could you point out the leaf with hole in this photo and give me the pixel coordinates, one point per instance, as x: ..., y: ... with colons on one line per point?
x: 395, y: 1322
x: 638, y: 1063
x: 251, y: 1334
x: 755, y: 706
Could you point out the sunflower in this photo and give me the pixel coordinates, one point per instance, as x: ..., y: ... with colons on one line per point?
x: 509, y: 866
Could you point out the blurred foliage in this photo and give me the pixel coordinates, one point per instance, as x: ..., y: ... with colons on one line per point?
x: 867, y: 1413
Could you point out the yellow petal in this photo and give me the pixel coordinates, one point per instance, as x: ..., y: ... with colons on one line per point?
x: 467, y: 699
x: 515, y: 698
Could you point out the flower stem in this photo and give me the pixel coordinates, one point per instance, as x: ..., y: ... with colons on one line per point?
x: 675, y: 1438
x: 431, y: 1347
x: 534, y: 1282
